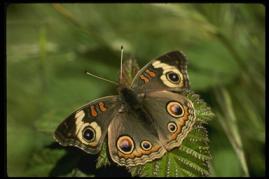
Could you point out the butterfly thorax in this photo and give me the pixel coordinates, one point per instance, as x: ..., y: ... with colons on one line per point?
x: 129, y: 98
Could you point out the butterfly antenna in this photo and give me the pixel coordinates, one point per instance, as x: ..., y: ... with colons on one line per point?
x: 110, y: 81
x: 121, y: 58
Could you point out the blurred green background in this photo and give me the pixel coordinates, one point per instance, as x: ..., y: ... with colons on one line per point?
x: 50, y: 45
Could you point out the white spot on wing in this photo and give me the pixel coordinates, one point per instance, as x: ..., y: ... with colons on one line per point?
x: 79, y: 116
x: 167, y: 68
x: 80, y: 125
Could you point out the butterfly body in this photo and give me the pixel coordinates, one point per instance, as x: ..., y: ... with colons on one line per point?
x: 147, y: 118
x: 130, y: 98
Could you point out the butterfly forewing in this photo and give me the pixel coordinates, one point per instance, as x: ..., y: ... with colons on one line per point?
x: 168, y: 72
x: 87, y: 127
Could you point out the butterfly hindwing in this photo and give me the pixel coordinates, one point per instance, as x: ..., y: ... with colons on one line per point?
x: 131, y: 142
x: 173, y: 114
x: 87, y: 127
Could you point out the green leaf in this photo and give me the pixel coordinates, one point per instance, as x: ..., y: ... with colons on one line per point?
x: 103, y: 158
x: 203, y: 112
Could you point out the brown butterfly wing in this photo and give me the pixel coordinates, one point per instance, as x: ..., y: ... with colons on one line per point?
x: 87, y: 126
x: 131, y: 142
x: 173, y: 114
x: 168, y: 72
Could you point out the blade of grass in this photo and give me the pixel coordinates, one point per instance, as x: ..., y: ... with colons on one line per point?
x: 228, y: 121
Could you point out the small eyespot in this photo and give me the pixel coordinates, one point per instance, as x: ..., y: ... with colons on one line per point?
x: 88, y: 134
x: 146, y: 145
x: 175, y: 109
x: 125, y: 144
x: 173, y: 77
x: 172, y: 127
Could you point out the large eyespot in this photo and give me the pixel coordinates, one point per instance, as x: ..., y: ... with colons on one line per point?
x: 88, y: 134
x: 125, y: 144
x: 173, y: 77
x: 146, y: 145
x: 172, y: 127
x: 175, y: 109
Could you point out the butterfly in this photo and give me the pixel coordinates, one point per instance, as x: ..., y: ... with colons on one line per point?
x: 149, y: 117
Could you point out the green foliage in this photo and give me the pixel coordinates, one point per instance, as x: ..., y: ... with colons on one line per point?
x: 50, y: 45
x: 103, y: 158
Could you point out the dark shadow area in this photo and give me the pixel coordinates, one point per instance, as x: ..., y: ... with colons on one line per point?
x: 78, y: 159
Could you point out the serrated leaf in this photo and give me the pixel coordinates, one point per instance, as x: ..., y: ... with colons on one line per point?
x: 203, y: 112
x: 103, y: 158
